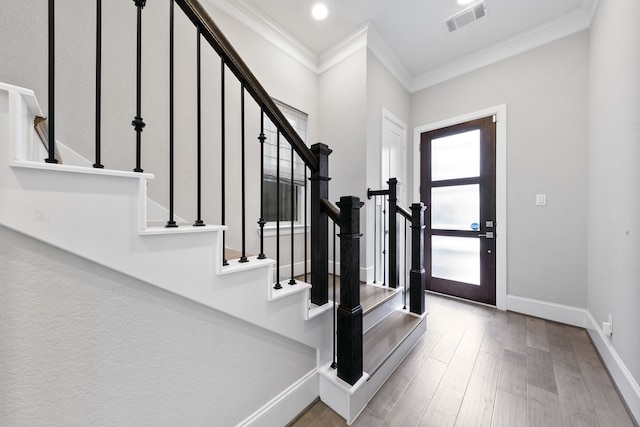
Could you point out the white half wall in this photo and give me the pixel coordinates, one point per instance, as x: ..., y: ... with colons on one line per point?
x: 85, y: 345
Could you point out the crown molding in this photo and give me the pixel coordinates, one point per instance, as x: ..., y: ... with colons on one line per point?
x: 554, y: 30
x: 367, y: 36
x: 343, y: 49
x: 381, y: 49
x: 257, y: 21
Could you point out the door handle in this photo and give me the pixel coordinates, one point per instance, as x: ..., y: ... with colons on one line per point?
x: 488, y: 235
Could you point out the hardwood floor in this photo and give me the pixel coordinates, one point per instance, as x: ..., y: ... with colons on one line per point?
x: 477, y: 366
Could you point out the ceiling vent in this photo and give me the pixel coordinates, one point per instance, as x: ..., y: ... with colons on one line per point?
x: 467, y: 16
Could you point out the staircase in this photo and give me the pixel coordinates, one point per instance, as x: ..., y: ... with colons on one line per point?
x: 390, y: 332
x: 105, y: 216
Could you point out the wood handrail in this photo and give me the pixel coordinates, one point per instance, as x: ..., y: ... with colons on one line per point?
x: 331, y: 210
x: 210, y: 31
x: 402, y: 211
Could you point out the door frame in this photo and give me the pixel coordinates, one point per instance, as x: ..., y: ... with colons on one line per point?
x: 501, y: 184
x: 389, y: 118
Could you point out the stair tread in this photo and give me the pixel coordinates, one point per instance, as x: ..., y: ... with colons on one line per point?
x: 371, y: 296
x: 381, y: 340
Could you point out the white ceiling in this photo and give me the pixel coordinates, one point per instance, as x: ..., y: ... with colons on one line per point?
x: 415, y: 29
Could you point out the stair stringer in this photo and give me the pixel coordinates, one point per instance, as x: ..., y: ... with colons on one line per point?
x: 100, y: 215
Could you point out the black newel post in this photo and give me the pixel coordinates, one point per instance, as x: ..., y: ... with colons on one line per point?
x: 417, y: 275
x: 349, y: 312
x: 394, y: 254
x: 319, y: 226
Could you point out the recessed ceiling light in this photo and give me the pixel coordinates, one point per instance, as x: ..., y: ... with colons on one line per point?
x: 320, y: 12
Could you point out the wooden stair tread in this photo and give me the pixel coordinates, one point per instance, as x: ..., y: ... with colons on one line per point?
x: 381, y: 340
x: 371, y: 296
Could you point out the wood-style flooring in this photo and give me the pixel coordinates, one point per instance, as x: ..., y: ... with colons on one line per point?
x: 477, y: 366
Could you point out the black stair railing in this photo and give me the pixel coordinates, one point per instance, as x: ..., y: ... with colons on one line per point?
x: 416, y: 218
x: 207, y: 31
x: 232, y: 61
x: 315, y: 159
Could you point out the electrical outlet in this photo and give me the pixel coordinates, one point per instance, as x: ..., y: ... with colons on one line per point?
x: 610, y: 324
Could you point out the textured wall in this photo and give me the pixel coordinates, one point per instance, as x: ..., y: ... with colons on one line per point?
x: 84, y: 345
x: 546, y: 92
x: 614, y: 175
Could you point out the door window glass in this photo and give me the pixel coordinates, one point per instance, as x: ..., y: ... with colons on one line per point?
x: 456, y: 156
x: 455, y: 207
x: 456, y: 258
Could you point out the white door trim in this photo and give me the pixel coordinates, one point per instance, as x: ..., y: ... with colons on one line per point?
x: 387, y: 116
x: 501, y: 185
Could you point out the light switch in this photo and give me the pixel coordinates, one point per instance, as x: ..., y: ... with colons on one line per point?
x: 541, y: 200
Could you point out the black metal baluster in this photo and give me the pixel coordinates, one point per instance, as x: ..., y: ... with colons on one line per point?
x: 292, y: 281
x: 334, y: 364
x: 138, y: 123
x: 243, y: 258
x: 278, y: 285
x: 405, y: 266
x: 52, y: 82
x: 98, y: 164
x: 394, y: 254
x: 375, y: 237
x: 306, y: 272
x: 171, y: 222
x: 384, y: 240
x: 199, y: 222
x: 222, y: 157
x: 261, y: 221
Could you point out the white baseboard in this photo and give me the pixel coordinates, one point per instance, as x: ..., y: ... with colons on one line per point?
x: 287, y: 405
x: 627, y: 385
x: 548, y: 310
x: 366, y: 274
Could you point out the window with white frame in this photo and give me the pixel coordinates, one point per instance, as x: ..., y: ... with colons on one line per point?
x: 283, y: 198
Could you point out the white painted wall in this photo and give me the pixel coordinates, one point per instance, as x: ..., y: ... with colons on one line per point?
x: 342, y: 91
x: 85, y: 345
x: 614, y: 176
x: 384, y: 91
x: 546, y: 92
x: 342, y: 102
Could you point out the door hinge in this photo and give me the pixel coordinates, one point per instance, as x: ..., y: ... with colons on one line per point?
x: 495, y: 118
